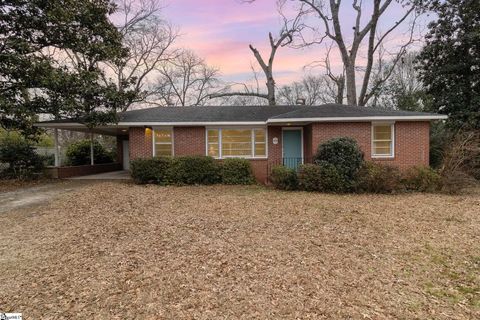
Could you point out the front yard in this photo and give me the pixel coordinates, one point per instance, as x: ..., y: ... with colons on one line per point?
x: 120, y: 251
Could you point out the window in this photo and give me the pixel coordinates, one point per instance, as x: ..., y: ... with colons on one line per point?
x: 162, y: 141
x: 237, y: 143
x: 213, y: 148
x: 382, y: 140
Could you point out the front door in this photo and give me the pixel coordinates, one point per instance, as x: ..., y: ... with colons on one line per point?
x: 126, y: 155
x: 292, y: 148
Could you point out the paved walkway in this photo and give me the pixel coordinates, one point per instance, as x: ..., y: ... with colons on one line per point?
x: 114, y: 175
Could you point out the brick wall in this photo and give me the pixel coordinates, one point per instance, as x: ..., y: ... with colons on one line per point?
x: 77, y: 171
x: 411, y: 140
x: 189, y: 141
x: 140, y: 143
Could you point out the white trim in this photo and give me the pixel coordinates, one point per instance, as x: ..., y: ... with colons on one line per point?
x: 195, y: 124
x: 252, y: 143
x: 172, y: 138
x: 381, y: 156
x: 344, y: 119
x: 302, y: 142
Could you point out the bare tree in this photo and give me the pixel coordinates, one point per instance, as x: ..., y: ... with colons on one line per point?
x: 314, y: 89
x: 290, y: 28
x: 185, y: 80
x: 149, y: 38
x: 337, y: 80
x: 366, y: 34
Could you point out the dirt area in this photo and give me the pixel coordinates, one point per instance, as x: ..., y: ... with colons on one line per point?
x: 26, y: 194
x: 120, y: 251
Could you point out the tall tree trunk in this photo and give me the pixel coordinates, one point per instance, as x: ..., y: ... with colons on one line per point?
x: 271, y: 91
x: 340, y: 89
x: 351, y: 84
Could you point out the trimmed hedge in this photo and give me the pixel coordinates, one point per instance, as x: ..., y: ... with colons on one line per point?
x: 323, y: 177
x: 284, y: 178
x: 194, y: 170
x: 152, y: 170
x: 190, y: 170
x: 237, y: 171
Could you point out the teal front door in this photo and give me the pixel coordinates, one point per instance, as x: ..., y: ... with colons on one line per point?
x: 292, y: 148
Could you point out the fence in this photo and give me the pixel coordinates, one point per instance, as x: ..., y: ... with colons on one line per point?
x: 293, y: 163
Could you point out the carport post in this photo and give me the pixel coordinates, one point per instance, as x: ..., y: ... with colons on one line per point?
x: 91, y: 149
x: 57, y: 157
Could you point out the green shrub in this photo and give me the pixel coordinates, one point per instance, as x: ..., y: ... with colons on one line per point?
x: 78, y: 153
x: 152, y: 170
x: 323, y: 177
x: 284, y: 178
x: 309, y: 177
x: 20, y: 159
x: 194, y: 170
x: 344, y: 153
x: 378, y: 178
x: 237, y: 171
x: 423, y: 179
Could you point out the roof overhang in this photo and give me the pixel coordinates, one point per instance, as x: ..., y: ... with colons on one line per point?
x: 359, y: 119
x: 116, y: 129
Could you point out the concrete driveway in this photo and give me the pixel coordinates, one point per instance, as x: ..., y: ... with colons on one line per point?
x: 114, y: 175
x: 34, y: 196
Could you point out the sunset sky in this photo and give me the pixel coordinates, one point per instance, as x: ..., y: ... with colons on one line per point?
x: 221, y: 30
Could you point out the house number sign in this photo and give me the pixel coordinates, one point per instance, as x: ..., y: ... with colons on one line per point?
x: 275, y: 140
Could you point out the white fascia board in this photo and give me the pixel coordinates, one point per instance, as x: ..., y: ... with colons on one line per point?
x: 376, y: 118
x: 212, y: 123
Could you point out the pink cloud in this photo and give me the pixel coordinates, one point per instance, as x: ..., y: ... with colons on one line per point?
x: 221, y: 30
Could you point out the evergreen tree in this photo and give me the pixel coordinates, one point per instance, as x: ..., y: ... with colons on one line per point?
x: 449, y: 64
x: 51, y: 56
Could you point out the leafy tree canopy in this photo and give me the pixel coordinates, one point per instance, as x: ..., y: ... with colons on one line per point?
x: 51, y: 56
x: 449, y: 64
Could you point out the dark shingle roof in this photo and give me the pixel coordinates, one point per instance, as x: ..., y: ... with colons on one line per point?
x: 339, y: 111
x: 258, y: 113
x: 206, y: 114
x: 263, y: 114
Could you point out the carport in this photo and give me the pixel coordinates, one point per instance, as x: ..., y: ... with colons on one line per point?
x: 121, y: 162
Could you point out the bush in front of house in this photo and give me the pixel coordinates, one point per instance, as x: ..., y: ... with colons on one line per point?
x: 151, y: 170
x: 343, y: 153
x: 423, y: 179
x: 78, y: 153
x: 236, y: 171
x: 194, y: 170
x: 284, y: 178
x: 322, y: 177
x: 20, y: 159
x: 378, y: 178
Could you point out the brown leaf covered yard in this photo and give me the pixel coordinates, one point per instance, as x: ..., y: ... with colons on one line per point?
x: 120, y: 251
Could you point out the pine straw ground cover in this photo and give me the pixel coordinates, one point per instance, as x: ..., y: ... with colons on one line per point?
x: 121, y: 251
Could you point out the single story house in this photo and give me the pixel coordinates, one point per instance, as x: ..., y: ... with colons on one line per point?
x: 267, y: 135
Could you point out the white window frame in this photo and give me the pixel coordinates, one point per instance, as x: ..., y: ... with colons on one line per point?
x: 252, y: 135
x: 154, y: 137
x: 392, y: 128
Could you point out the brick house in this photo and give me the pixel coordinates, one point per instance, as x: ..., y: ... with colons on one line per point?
x: 268, y: 135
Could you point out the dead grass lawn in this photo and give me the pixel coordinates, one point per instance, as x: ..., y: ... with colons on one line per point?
x: 119, y: 251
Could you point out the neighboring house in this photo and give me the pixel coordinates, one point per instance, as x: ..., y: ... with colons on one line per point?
x: 268, y: 135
